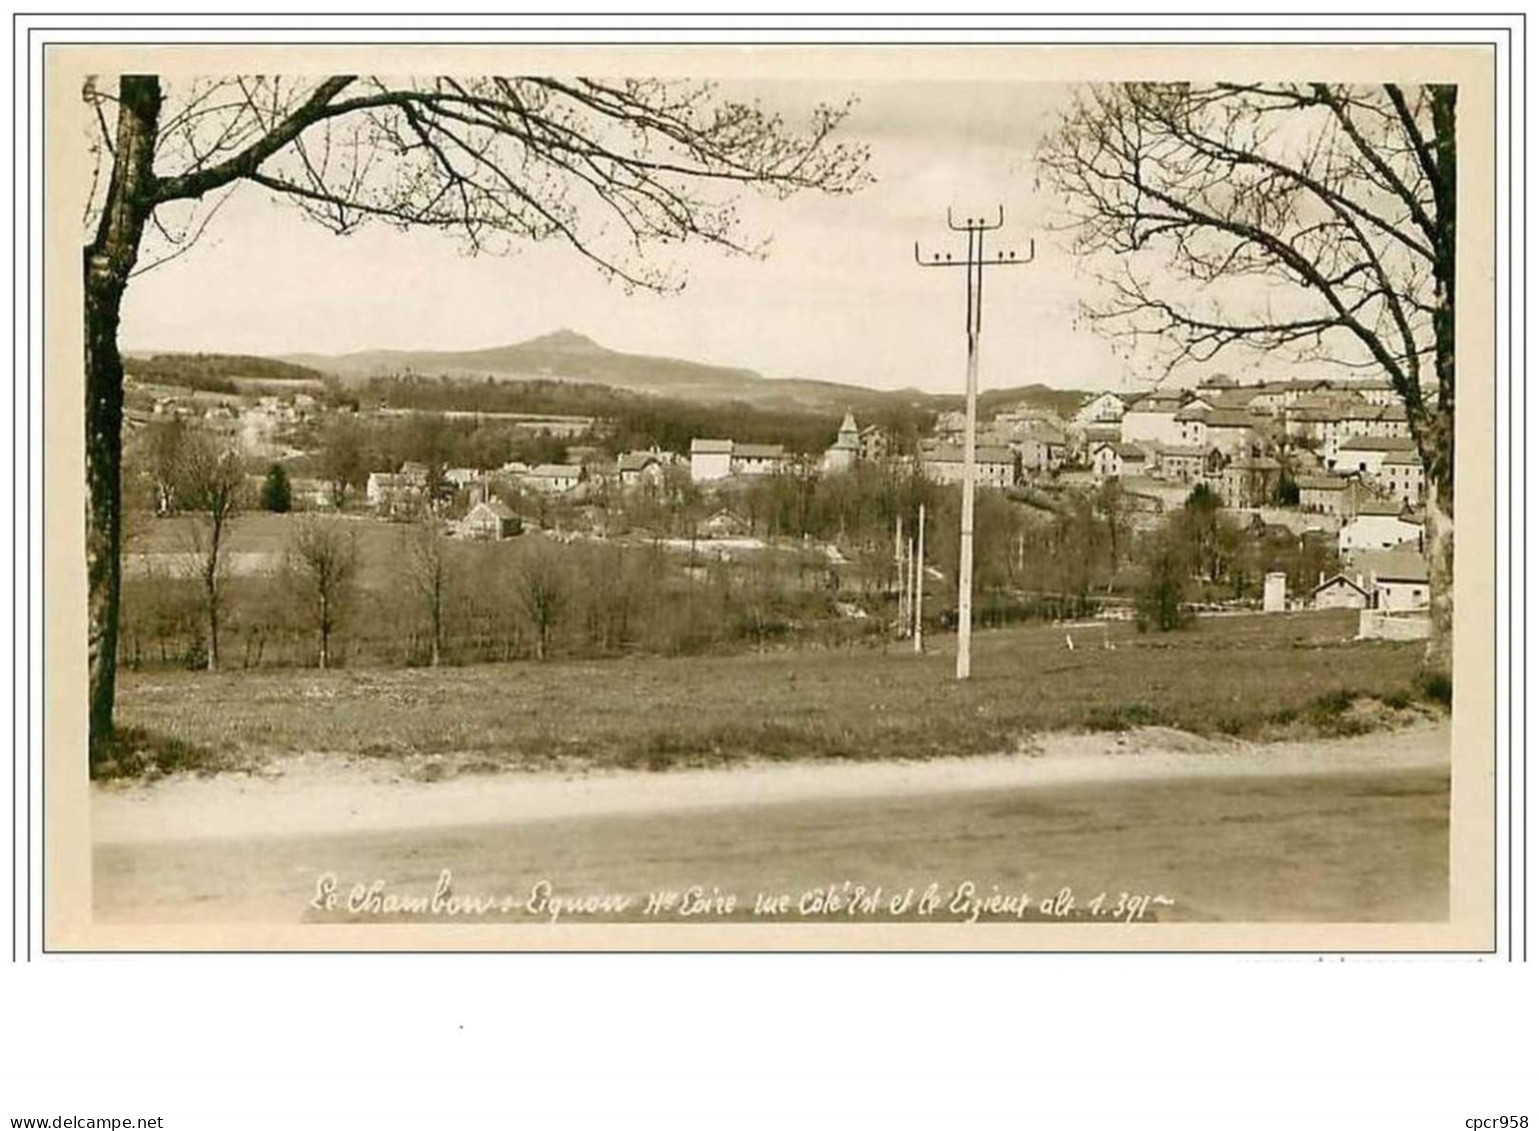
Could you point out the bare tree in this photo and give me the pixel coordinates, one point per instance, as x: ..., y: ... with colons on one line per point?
x: 210, y: 482
x: 343, y: 462
x: 428, y: 571
x: 542, y: 590
x: 323, y: 557
x: 610, y: 167
x: 1310, y: 218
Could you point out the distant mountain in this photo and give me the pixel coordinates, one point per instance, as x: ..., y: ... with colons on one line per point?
x: 569, y: 356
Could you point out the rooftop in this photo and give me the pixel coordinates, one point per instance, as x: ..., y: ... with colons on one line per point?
x: 1392, y: 565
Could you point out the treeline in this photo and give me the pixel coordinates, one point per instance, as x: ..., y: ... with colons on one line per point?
x: 636, y: 420
x: 215, y: 372
x: 452, y: 602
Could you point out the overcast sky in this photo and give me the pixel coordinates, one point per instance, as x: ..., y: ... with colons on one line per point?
x: 839, y: 296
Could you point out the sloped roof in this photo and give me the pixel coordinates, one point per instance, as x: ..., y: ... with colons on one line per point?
x: 710, y: 447
x: 1392, y: 565
x: 556, y: 471
x: 1322, y: 483
x: 1380, y: 508
x: 759, y: 451
x: 636, y: 461
x: 1338, y: 579
x: 1233, y: 418
x: 1376, y: 444
x: 984, y: 454
x: 494, y: 507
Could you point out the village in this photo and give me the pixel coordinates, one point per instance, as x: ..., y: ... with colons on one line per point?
x: 1327, y: 460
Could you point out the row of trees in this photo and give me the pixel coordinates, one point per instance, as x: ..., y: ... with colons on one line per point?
x: 438, y: 600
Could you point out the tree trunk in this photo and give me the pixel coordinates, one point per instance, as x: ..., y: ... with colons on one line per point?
x: 1437, y: 439
x: 211, y: 594
x: 108, y: 259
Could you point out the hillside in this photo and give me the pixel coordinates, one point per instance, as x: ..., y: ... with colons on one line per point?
x: 569, y: 356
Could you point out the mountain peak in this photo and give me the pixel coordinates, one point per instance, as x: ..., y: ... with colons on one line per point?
x: 566, y: 340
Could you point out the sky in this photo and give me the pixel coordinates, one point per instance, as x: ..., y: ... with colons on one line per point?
x: 838, y: 297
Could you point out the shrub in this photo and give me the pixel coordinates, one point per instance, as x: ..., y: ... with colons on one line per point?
x: 1437, y: 687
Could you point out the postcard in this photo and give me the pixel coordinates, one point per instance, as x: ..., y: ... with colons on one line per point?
x: 769, y: 498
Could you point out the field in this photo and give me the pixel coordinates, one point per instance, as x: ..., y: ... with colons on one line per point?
x: 1277, y: 676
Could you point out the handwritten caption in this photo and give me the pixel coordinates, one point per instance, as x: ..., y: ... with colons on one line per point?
x: 964, y: 902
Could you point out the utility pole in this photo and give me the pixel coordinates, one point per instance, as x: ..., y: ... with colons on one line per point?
x: 976, y: 261
x: 919, y: 588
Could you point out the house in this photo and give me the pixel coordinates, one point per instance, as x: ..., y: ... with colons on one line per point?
x: 1232, y: 432
x: 1366, y: 454
x: 1323, y: 494
x: 709, y: 459
x: 1131, y: 460
x: 723, y: 524
x: 395, y: 493
x: 1102, y: 408
x: 1402, y: 475
x: 1192, y: 425
x: 643, y: 469
x: 1338, y: 592
x: 462, y: 478
x: 845, y: 450
x: 1249, y: 481
x: 491, y: 519
x: 1103, y: 459
x: 1395, y: 579
x: 1377, y: 392
x: 554, y: 478
x: 1152, y: 418
x: 1042, y: 446
x: 875, y: 443
x: 992, y: 466
x: 757, y: 459
x: 1378, y: 525
x: 1183, y: 463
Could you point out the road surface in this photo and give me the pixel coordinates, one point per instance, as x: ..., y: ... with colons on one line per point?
x: 1343, y: 831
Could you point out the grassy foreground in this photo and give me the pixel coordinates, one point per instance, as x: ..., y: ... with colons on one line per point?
x: 1275, y: 676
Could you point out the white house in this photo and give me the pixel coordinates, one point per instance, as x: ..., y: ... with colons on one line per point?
x: 993, y: 466
x: 1103, y: 408
x: 638, y: 469
x: 1231, y: 432
x: 1339, y: 592
x: 1377, y: 526
x: 490, y: 519
x: 757, y: 459
x: 1366, y: 454
x: 1396, y: 579
x: 709, y: 459
x: 554, y: 478
x: 1152, y: 418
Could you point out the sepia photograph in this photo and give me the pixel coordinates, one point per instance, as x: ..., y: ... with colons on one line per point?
x: 790, y: 498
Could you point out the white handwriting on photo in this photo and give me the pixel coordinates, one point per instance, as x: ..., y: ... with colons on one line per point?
x: 964, y: 902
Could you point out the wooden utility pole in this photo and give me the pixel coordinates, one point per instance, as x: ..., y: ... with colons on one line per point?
x: 976, y: 261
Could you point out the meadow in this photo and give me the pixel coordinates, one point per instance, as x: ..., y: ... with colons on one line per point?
x: 1283, y: 675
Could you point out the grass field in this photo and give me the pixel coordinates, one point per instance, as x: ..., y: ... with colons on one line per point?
x: 1272, y: 676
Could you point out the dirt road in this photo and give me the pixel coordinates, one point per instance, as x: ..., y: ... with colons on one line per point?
x: 1350, y: 830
